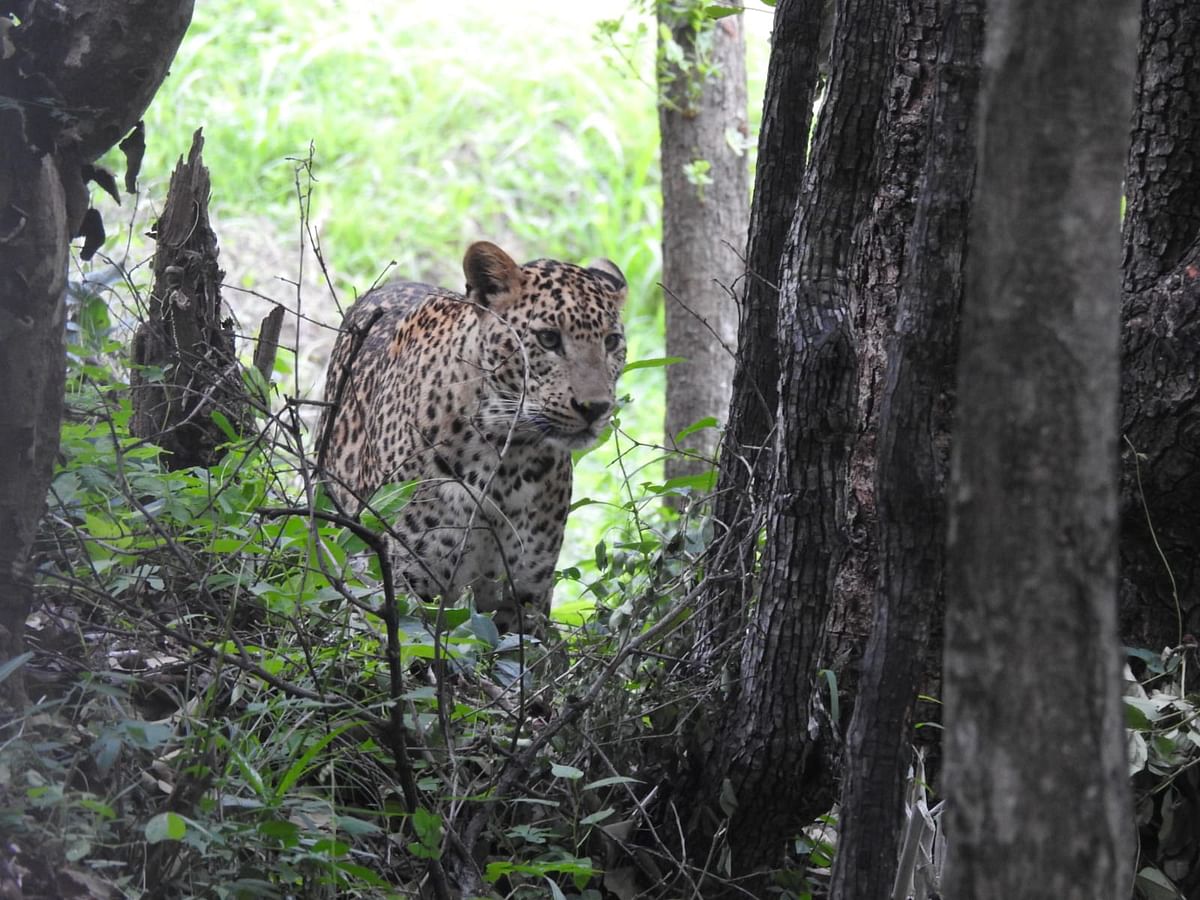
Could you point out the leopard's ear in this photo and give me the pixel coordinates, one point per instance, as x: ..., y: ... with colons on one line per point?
x: 612, y: 273
x: 492, y: 276
x: 609, y: 268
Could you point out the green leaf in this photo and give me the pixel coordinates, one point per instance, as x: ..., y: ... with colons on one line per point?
x: 251, y: 774
x: 78, y: 849
x: 452, y: 616
x: 484, y: 628
x: 287, y: 832
x: 573, y: 612
x: 224, y: 424
x: 612, y: 779
x: 146, y: 735
x: 656, y: 363
x: 387, y: 502
x: 1137, y: 751
x: 595, y: 817
x: 226, y: 546
x: 698, y: 425
x: 831, y: 680
x: 555, y: 890
x: 428, y: 826
x: 560, y: 771
x: 1153, y: 661
x: 101, y: 809
x: 703, y: 482
x: 1140, y: 714
x: 728, y: 798
x: 355, y: 827
x: 13, y: 664
x: 496, y: 870
x: 300, y: 766
x: 1154, y: 885
x: 361, y: 873
x: 167, y: 826
x: 257, y: 384
x: 330, y: 846
x: 720, y: 12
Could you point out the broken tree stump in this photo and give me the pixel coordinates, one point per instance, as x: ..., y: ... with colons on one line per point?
x: 188, y: 390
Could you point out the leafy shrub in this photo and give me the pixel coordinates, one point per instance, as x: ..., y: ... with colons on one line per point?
x: 1163, y: 723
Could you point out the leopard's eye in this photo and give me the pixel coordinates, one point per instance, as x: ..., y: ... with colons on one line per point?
x: 549, y: 338
x: 612, y: 342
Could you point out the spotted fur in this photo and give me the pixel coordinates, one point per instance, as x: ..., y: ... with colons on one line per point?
x: 479, y: 399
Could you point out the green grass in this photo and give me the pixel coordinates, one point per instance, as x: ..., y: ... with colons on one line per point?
x: 429, y: 131
x: 432, y: 126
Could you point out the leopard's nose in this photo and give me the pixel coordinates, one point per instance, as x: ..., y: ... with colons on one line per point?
x: 591, y: 410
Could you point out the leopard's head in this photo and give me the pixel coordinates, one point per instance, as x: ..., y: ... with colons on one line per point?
x: 552, y: 344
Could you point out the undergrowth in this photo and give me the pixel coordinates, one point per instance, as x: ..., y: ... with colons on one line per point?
x: 232, y: 703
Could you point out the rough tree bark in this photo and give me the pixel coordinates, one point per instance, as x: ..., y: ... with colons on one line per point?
x: 75, y: 78
x: 1160, y: 391
x: 745, y: 470
x: 705, y: 211
x: 777, y: 755
x: 913, y: 286
x: 1035, y: 770
x: 775, y: 747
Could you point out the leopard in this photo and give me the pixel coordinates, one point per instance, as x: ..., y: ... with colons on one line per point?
x: 475, y: 402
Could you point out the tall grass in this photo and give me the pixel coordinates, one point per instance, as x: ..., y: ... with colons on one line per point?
x: 432, y: 126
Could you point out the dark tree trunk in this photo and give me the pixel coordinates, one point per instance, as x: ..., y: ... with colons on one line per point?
x: 781, y: 775
x: 913, y: 286
x: 1160, y: 390
x: 705, y: 210
x: 33, y: 278
x: 1035, y: 772
x: 776, y: 748
x: 185, y: 336
x: 745, y: 465
x: 75, y: 78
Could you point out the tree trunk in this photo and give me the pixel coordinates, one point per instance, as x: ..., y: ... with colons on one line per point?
x: 702, y: 114
x: 33, y: 278
x: 1160, y: 393
x: 912, y: 275
x: 745, y: 463
x: 1035, y: 772
x: 775, y: 747
x: 75, y: 78
x: 781, y: 776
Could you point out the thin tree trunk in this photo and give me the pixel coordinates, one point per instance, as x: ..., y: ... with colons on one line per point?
x: 745, y: 463
x: 75, y: 78
x: 1035, y: 770
x: 919, y: 276
x: 1160, y: 393
x: 705, y: 210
